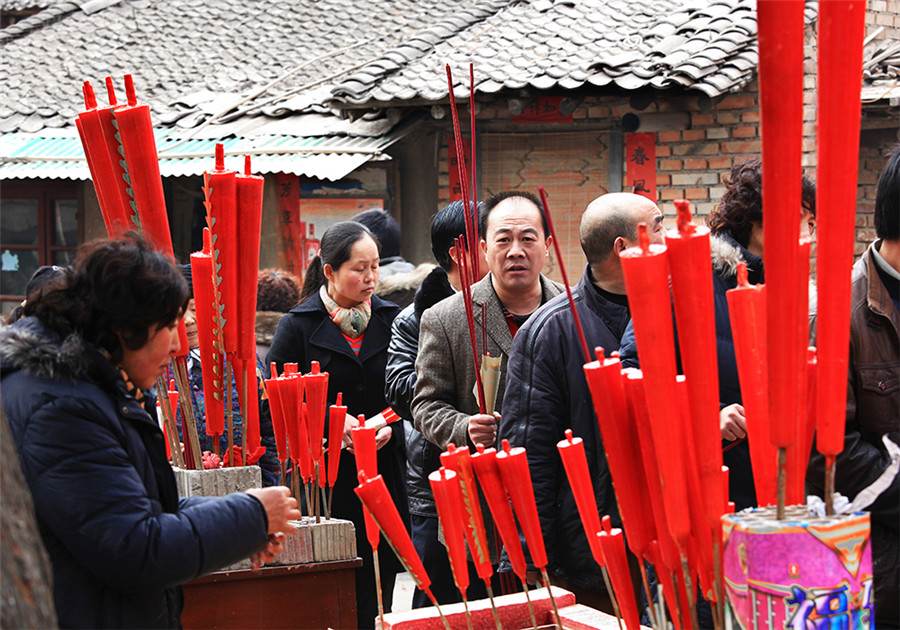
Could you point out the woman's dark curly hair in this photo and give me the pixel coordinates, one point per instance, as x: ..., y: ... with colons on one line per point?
x: 114, y: 289
x: 277, y: 291
x: 741, y: 204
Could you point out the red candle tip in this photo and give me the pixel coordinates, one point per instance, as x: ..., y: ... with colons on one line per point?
x: 362, y: 477
x: 505, y: 445
x: 90, y: 101
x: 247, y: 170
x: 443, y: 472
x: 479, y: 448
x: 451, y: 448
x: 340, y: 399
x: 569, y: 435
x: 129, y: 90
x: 220, y: 156
x: 598, y: 352
x: 606, y: 521
x: 207, y: 241
x: 643, y: 238
x: 110, y: 91
x: 314, y: 367
x: 685, y: 223
x: 742, y: 275
x: 274, y: 370
x: 362, y: 420
x: 171, y: 383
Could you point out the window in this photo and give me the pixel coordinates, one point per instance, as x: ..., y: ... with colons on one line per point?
x: 40, y: 224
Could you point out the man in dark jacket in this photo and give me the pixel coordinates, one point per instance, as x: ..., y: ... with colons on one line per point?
x: 873, y: 397
x: 422, y: 457
x: 546, y: 391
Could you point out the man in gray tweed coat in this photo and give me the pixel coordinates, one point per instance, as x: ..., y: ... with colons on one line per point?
x: 515, y: 242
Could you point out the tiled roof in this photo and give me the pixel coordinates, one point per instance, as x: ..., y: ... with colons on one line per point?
x: 705, y: 45
x: 193, y: 58
x: 881, y: 70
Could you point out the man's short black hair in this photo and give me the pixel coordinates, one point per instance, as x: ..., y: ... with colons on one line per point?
x: 887, y: 200
x: 448, y: 224
x: 491, y: 202
x: 385, y: 229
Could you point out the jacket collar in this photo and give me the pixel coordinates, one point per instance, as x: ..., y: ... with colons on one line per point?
x: 877, y: 297
x: 727, y: 253
x: 484, y: 297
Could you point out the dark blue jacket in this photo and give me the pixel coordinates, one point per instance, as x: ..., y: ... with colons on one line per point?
x: 119, y: 539
x: 546, y: 393
x: 726, y: 254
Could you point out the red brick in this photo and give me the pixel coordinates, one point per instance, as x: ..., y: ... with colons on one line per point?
x: 670, y: 165
x: 597, y: 111
x: 728, y: 118
x: 663, y: 151
x: 733, y: 101
x: 702, y: 120
x: 742, y: 147
x: 697, y: 148
x: 695, y: 164
x: 663, y: 179
x: 719, y: 163
x: 692, y: 135
x: 696, y: 193
x: 751, y: 116
x: 744, y: 132
x: 669, y: 194
x: 669, y: 136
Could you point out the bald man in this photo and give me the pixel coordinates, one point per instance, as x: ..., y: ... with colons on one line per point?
x: 546, y: 392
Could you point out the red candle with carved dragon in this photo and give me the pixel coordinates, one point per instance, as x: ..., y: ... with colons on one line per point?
x: 366, y: 455
x: 221, y: 205
x: 513, y: 465
x: 613, y: 544
x: 210, y: 355
x: 458, y: 460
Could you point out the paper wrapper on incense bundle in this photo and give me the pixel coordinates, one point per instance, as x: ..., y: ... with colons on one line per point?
x: 802, y: 572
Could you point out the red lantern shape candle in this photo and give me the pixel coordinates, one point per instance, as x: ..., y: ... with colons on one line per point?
x: 747, y: 309
x: 139, y: 145
x: 646, y: 276
x: 841, y: 31
x: 613, y: 544
x: 781, y: 30
x: 448, y: 500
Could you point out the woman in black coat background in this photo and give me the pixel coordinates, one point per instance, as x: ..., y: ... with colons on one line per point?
x: 341, y: 324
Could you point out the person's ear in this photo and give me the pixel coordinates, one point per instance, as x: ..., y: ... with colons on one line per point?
x: 619, y: 245
x: 328, y: 270
x: 548, y: 243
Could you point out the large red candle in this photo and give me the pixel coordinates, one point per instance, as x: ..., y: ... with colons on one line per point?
x: 249, y: 216
x: 634, y: 388
x: 315, y: 384
x: 458, y: 461
x: 604, y: 378
x: 337, y: 417
x: 139, y: 145
x: 106, y: 178
x: 613, y: 544
x: 692, y: 288
x: 221, y: 206
x: 291, y: 388
x: 646, y: 277
x: 210, y: 356
x: 278, y: 426
x: 377, y: 500
x: 448, y: 500
x: 513, y: 465
x: 841, y: 30
x: 115, y: 151
x: 780, y: 27
x: 366, y: 455
x: 747, y: 309
x: 484, y: 462
x: 571, y: 450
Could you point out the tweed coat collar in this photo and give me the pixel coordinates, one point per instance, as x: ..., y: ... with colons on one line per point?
x: 484, y: 298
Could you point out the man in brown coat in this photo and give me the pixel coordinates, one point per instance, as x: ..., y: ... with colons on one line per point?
x: 515, y: 242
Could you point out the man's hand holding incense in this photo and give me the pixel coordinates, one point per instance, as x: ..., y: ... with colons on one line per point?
x: 483, y: 428
x: 733, y: 423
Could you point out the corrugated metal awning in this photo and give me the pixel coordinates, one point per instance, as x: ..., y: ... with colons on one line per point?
x: 29, y: 156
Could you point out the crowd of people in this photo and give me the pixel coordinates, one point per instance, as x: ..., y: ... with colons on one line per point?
x: 78, y: 371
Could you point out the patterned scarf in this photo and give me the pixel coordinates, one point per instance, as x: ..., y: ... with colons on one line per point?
x: 351, y: 321
x: 130, y: 388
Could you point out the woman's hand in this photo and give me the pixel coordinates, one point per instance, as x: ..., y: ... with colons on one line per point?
x: 274, y: 546
x: 280, y: 508
x: 383, y: 436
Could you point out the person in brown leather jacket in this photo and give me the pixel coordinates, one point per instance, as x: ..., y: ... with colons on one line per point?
x: 873, y: 396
